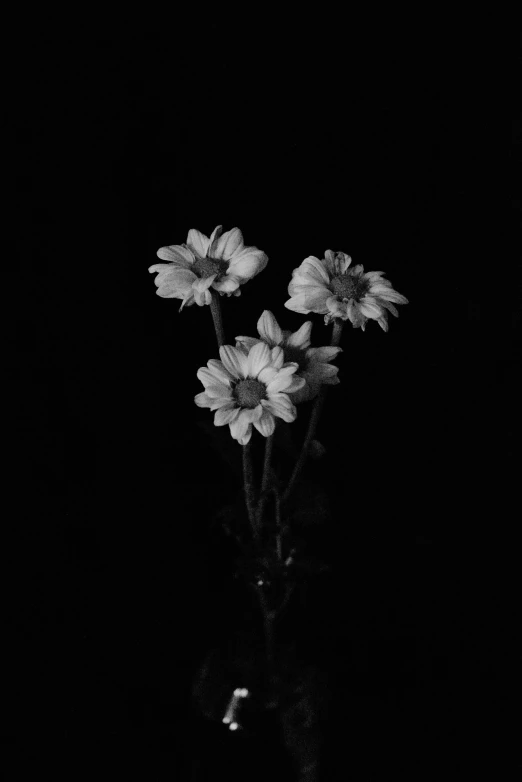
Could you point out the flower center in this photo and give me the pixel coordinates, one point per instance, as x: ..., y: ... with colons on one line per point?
x: 297, y: 355
x: 250, y: 392
x: 206, y: 267
x: 346, y: 286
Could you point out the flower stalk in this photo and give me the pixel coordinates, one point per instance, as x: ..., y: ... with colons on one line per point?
x: 314, y: 419
x: 215, y: 309
x: 248, y: 480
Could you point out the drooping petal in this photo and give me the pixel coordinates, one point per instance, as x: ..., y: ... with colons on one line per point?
x: 389, y: 306
x: 239, y: 426
x: 268, y: 329
x: 177, y: 255
x: 266, y: 424
x: 391, y: 295
x: 234, y: 361
x: 198, y: 242
x: 301, y: 337
x: 258, y: 358
x: 226, y: 416
x: 246, y: 437
x: 370, y: 309
x: 380, y: 287
x: 228, y: 284
x: 227, y: 245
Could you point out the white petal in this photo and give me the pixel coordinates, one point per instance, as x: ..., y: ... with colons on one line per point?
x: 245, y: 343
x: 281, y: 406
x: 177, y: 254
x: 258, y: 358
x: 301, y: 337
x: 227, y: 245
x: 282, y: 379
x: 311, y: 300
x: 246, y: 437
x: 239, y: 426
x: 225, y: 403
x: 252, y: 414
x: 297, y: 382
x: 268, y: 329
x: 391, y: 295
x: 312, y: 267
x: 267, y: 374
x: 277, y: 357
x: 325, y: 353
x: 266, y: 424
x: 202, y: 400
x: 198, y: 242
x: 249, y: 262
x: 370, y: 309
x: 226, y: 416
x: 218, y: 370
x: 321, y: 371
x: 234, y: 361
x: 379, y: 287
x: 214, y: 239
x: 228, y: 284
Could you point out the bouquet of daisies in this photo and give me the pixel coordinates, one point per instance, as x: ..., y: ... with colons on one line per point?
x: 258, y: 383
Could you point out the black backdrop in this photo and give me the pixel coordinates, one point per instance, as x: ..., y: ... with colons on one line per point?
x: 391, y: 148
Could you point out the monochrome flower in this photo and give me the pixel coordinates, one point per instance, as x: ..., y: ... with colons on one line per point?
x: 221, y: 262
x: 330, y: 288
x: 249, y: 387
x: 313, y: 363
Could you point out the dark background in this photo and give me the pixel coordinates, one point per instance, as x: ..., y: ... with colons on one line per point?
x: 401, y: 150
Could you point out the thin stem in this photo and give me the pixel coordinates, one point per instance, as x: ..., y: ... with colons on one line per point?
x: 314, y: 418
x: 264, y: 482
x: 215, y: 309
x: 248, y: 479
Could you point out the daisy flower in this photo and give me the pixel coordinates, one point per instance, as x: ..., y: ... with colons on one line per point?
x: 332, y: 289
x: 246, y: 388
x: 221, y: 262
x: 313, y: 363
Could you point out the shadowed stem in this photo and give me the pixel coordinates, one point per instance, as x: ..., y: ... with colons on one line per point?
x: 314, y: 418
x: 215, y: 309
x: 248, y: 479
x: 266, y: 473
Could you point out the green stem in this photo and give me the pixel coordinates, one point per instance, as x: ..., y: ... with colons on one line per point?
x: 248, y: 479
x: 314, y: 418
x: 215, y: 309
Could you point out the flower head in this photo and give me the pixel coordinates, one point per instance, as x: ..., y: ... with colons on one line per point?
x: 313, y: 363
x: 330, y: 288
x: 246, y: 388
x: 221, y: 262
